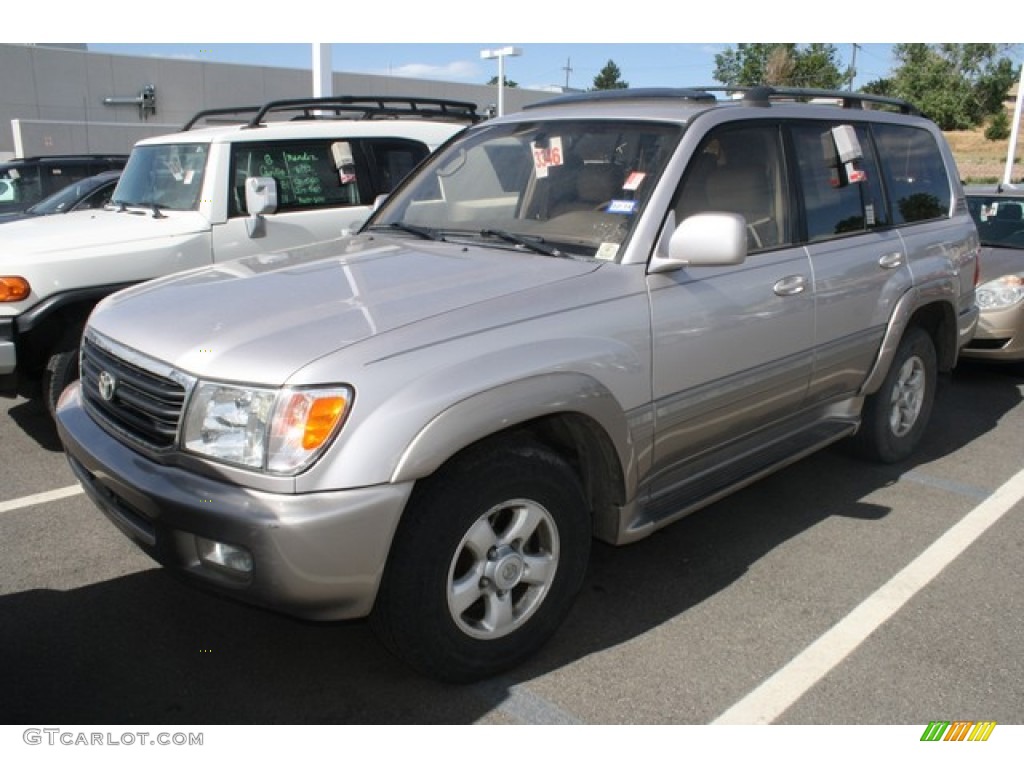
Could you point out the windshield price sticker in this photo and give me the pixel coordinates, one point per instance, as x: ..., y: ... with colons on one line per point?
x: 547, y: 156
x: 634, y: 180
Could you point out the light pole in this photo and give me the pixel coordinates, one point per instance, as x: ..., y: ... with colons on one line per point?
x: 500, y: 54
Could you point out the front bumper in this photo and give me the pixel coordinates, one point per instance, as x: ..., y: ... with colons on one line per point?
x: 8, y: 356
x: 316, y: 555
x: 999, y: 336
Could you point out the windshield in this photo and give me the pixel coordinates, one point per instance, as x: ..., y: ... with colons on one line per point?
x: 1000, y: 219
x: 561, y: 187
x: 166, y: 176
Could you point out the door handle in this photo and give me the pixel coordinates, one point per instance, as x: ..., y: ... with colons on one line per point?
x: 891, y: 260
x: 790, y: 286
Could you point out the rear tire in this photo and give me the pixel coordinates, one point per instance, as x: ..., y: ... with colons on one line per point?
x: 486, y: 562
x: 895, y: 417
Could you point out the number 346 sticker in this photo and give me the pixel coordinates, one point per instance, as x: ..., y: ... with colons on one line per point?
x: 546, y: 156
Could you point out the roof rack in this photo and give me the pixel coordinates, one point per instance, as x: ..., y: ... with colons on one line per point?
x: 627, y: 94
x: 763, y: 95
x: 359, y: 107
x: 759, y: 95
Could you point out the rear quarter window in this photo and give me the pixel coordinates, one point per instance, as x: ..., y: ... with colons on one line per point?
x: 915, y: 174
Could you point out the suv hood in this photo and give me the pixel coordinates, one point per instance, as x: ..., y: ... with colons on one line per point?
x: 262, y: 318
x: 80, y: 230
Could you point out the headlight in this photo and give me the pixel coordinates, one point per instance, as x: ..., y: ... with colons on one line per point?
x: 1000, y: 293
x: 280, y: 431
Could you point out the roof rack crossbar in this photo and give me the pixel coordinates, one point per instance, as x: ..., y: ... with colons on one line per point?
x: 203, y: 114
x: 368, y: 106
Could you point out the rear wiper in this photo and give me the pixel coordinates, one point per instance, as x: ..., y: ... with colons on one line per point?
x: 424, y: 232
x: 535, y: 244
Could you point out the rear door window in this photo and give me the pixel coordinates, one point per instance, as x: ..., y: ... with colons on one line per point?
x: 839, y: 197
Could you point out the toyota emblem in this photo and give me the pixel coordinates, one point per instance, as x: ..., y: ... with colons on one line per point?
x: 106, y: 384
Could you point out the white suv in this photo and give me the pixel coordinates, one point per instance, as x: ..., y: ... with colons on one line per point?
x: 181, y: 203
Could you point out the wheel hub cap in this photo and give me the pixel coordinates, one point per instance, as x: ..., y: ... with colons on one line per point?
x: 506, y: 570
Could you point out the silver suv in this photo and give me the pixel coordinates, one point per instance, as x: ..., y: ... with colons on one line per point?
x: 586, y: 320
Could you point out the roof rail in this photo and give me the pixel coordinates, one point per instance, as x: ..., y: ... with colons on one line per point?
x: 763, y: 95
x: 626, y: 94
x: 364, y: 107
x: 759, y: 95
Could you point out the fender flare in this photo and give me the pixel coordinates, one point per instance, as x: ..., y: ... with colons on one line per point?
x: 39, y: 313
x: 933, y: 294
x: 495, y: 410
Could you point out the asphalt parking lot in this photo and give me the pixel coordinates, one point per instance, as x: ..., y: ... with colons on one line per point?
x: 834, y: 592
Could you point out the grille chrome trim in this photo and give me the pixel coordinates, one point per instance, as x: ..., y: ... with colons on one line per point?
x: 148, y: 397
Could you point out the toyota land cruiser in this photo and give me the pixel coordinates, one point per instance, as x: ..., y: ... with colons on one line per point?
x: 585, y: 320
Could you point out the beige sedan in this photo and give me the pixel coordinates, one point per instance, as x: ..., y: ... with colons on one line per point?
x: 999, y: 214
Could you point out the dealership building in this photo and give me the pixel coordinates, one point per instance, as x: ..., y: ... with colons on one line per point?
x: 65, y: 99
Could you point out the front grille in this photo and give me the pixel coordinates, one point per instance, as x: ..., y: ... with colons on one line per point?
x: 144, y: 406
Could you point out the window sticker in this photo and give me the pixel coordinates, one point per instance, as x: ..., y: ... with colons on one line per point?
x: 621, y: 206
x: 607, y: 252
x: 634, y: 180
x: 546, y: 156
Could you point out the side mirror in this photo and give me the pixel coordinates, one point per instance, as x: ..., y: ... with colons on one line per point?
x: 702, y: 240
x: 260, y: 199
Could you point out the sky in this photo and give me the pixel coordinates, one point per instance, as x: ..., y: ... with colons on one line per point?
x: 540, y: 65
x: 564, y: 43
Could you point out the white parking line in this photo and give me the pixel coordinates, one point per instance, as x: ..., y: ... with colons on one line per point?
x: 776, y: 694
x: 40, y: 498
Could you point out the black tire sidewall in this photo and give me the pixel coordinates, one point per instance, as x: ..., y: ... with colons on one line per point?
x: 876, y: 437
x: 412, y: 615
x: 61, y: 370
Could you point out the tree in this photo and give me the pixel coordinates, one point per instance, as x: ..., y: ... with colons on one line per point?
x: 609, y: 78
x: 958, y: 85
x: 998, y: 127
x: 813, y: 66
x: 508, y: 83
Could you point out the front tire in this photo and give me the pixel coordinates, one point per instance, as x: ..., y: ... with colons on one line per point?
x: 61, y: 370
x: 895, y: 417
x: 486, y: 562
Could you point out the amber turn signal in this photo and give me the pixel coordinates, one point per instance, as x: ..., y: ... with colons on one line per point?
x: 14, y: 288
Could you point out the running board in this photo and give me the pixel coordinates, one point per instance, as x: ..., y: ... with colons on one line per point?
x: 708, y: 486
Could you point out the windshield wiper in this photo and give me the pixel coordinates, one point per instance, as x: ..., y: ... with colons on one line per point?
x: 535, y: 244
x: 123, y: 205
x: 423, y: 232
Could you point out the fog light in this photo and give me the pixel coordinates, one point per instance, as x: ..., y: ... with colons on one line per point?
x: 225, y: 556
